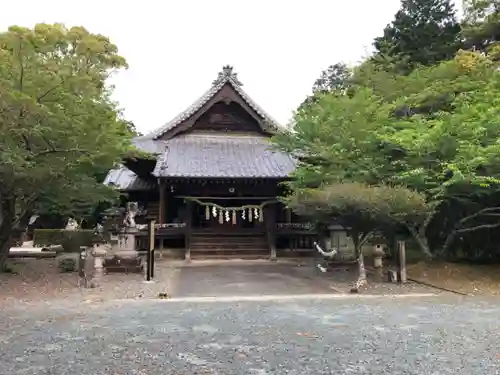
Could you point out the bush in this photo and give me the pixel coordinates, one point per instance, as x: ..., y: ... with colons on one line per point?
x: 70, y: 240
x: 67, y: 264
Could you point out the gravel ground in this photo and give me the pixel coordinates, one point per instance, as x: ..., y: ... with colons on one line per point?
x: 39, y: 280
x: 283, y: 278
x: 439, y: 335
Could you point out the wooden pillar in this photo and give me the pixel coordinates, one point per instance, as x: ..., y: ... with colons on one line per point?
x: 402, y: 261
x: 188, y: 229
x: 161, y: 246
x: 270, y: 220
x: 161, y: 208
x: 288, y: 213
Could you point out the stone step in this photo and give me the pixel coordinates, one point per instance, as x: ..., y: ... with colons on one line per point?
x: 199, y: 256
x: 223, y: 241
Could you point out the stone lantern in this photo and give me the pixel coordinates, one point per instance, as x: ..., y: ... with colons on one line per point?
x: 378, y: 254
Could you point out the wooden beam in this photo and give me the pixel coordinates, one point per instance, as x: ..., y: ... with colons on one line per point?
x: 228, y: 198
x: 161, y: 209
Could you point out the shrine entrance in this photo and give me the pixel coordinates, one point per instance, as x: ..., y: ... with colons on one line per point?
x: 229, y: 227
x: 228, y: 214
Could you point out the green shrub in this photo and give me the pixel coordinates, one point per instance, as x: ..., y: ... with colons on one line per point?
x: 10, y: 268
x: 70, y: 240
x: 67, y: 265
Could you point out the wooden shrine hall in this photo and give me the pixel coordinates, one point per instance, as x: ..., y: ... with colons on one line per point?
x: 214, y: 182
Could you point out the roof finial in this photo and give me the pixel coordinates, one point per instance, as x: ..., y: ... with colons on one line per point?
x: 226, y: 75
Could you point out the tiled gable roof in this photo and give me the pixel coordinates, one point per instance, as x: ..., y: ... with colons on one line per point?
x: 203, y: 155
x: 227, y: 76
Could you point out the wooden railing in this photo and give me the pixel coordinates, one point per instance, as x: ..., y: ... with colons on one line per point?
x: 170, y: 225
x: 162, y: 226
x: 295, y: 228
x: 295, y: 239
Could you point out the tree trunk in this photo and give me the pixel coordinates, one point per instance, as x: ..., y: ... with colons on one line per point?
x: 7, y: 217
x: 361, y: 268
x: 421, y: 238
x: 447, y: 243
x: 4, y: 252
x: 458, y: 229
x: 358, y: 242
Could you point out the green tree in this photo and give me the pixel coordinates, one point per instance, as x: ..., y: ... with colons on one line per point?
x: 59, y: 126
x: 361, y: 209
x: 334, y: 78
x: 436, y: 130
x: 133, y: 129
x: 336, y: 139
x: 423, y: 32
x: 481, y: 25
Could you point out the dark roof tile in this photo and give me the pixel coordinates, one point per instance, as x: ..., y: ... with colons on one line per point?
x: 124, y: 179
x: 148, y: 144
x: 223, y: 156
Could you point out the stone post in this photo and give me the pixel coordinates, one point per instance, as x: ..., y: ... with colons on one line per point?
x: 378, y: 253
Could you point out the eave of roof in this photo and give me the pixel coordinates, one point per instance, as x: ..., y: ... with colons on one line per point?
x: 148, y: 144
x: 124, y: 179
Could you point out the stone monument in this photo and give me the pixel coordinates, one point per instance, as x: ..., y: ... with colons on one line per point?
x: 123, y: 255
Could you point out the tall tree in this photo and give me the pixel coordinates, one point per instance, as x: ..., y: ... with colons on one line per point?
x: 436, y: 130
x: 335, y: 78
x: 423, y: 32
x: 57, y: 120
x: 481, y: 25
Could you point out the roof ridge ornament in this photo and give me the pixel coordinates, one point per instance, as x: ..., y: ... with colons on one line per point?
x: 226, y: 75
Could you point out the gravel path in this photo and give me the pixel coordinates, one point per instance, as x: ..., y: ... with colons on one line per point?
x: 440, y: 335
x: 250, y: 279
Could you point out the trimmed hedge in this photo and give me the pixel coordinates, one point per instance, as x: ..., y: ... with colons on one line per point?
x: 70, y: 240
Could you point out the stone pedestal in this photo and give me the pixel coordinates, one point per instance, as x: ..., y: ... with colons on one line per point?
x: 125, y: 245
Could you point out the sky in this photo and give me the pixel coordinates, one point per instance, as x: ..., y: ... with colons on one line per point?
x: 176, y: 48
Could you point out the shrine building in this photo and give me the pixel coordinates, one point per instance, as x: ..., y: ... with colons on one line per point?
x: 214, y: 182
